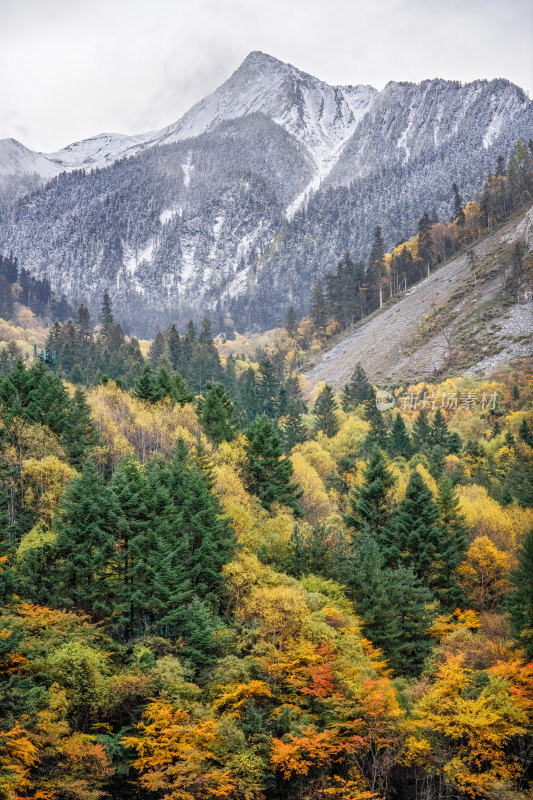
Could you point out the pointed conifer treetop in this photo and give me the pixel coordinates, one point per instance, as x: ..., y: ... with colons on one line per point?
x: 418, y: 538
x: 324, y: 411
x: 370, y: 503
x: 268, y: 471
x: 216, y: 413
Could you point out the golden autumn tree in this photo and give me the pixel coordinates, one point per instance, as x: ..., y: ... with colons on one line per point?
x: 462, y: 735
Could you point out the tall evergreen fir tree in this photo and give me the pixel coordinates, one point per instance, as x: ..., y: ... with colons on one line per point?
x: 317, y: 311
x: 210, y: 537
x: 230, y: 379
x: 291, y: 323
x: 202, y: 459
x: 440, y: 434
x: 282, y: 401
x: 415, y: 614
x: 145, y: 388
x: 85, y: 329
x: 268, y: 472
x: 525, y: 433
x: 86, y: 544
x: 216, y: 413
x: 206, y: 363
x: 168, y: 555
x: 199, y: 629
x: 162, y: 384
x: 137, y: 548
x: 368, y: 585
x: 159, y: 353
x: 378, y: 435
x: 293, y: 428
x: 180, y: 390
x: 268, y: 388
x: 458, y: 213
x: 248, y: 395
x: 370, y: 504
x: 417, y: 536
x: 422, y: 435
x: 399, y: 442
x: 395, y: 607
x: 106, y: 315
x: 453, y: 545
x: 425, y: 241
x: 359, y: 388
x: 324, y: 411
x: 174, y: 347
x: 79, y: 433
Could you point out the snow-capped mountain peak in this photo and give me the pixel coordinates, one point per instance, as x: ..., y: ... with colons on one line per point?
x: 208, y: 221
x: 321, y: 117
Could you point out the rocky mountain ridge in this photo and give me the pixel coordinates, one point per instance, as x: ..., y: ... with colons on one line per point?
x: 238, y: 207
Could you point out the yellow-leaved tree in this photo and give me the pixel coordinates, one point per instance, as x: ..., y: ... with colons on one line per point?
x: 462, y: 735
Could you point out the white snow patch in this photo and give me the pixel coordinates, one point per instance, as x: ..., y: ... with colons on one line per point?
x: 134, y: 256
x: 167, y: 214
x: 217, y: 227
x: 402, y: 141
x: 494, y: 129
x: 188, y: 249
x: 188, y: 169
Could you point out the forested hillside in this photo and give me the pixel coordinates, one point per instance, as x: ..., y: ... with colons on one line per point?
x: 211, y: 589
x: 221, y: 577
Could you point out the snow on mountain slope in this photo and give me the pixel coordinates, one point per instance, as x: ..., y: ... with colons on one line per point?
x: 408, y: 121
x: 258, y: 190
x: 15, y: 159
x: 319, y: 116
x: 336, y: 124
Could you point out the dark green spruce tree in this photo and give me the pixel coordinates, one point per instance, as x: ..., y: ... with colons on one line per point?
x: 422, y: 436
x: 293, y: 428
x: 268, y: 472
x: 453, y: 545
x: 137, y: 546
x: 180, y: 390
x: 324, y: 411
x: 378, y: 435
x: 291, y: 323
x: 415, y: 614
x: 368, y: 584
x: 216, y: 413
x: 525, y: 433
x: 358, y: 390
x: 86, y: 545
x: 79, y: 435
x: 371, y: 503
x: 318, y: 311
x: 417, y: 536
x: 145, y: 388
x: 268, y: 385
x: 399, y: 441
x: 440, y: 435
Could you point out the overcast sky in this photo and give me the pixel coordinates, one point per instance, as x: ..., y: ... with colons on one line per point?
x: 70, y: 69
